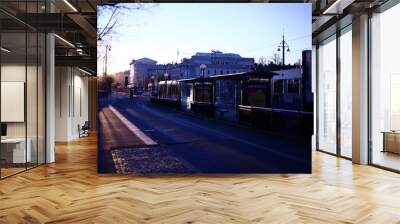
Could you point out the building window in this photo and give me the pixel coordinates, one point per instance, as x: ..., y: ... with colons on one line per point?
x: 22, y: 100
x: 293, y: 86
x: 327, y: 98
x: 345, y: 83
x: 385, y: 89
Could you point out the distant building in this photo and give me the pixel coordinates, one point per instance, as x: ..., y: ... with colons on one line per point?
x: 121, y: 79
x: 218, y: 63
x: 139, y: 71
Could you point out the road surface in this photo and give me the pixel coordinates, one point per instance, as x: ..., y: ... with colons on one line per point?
x: 207, y: 145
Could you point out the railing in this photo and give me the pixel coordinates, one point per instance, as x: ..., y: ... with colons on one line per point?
x: 204, y: 108
x: 295, y: 124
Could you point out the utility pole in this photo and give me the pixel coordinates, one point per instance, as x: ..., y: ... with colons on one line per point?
x: 108, y: 48
x: 283, y: 45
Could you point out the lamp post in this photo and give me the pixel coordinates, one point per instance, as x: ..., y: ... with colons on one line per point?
x: 283, y: 45
x: 166, y: 86
x: 202, y: 68
x: 154, y: 85
x: 108, y: 48
x: 165, y: 76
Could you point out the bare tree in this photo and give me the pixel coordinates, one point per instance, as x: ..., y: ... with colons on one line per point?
x: 105, y: 84
x: 262, y: 60
x: 112, y: 12
x: 109, y: 15
x: 275, y: 58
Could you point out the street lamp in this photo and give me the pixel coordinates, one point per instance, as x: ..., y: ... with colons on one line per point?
x: 283, y: 45
x: 202, y: 68
x: 154, y: 85
x: 166, y: 86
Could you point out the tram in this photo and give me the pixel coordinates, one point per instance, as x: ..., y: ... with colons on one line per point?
x: 168, y: 90
x: 166, y: 93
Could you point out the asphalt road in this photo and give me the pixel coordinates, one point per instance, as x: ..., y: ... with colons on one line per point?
x: 212, y: 146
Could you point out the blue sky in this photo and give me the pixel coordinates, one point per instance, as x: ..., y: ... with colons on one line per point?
x: 249, y: 29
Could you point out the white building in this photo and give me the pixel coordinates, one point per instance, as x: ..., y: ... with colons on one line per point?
x: 139, y: 71
x: 217, y: 63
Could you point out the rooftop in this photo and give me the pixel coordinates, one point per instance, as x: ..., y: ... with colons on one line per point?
x: 218, y: 54
x: 144, y: 61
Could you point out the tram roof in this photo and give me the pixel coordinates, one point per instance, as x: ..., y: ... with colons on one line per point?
x: 238, y: 75
x: 169, y: 82
x: 197, y: 79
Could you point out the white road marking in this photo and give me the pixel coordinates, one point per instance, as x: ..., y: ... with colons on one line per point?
x: 135, y: 130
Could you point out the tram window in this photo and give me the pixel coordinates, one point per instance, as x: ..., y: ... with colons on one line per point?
x: 278, y: 86
x: 294, y: 86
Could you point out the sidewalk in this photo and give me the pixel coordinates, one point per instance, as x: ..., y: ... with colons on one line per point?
x: 124, y: 148
x: 113, y: 132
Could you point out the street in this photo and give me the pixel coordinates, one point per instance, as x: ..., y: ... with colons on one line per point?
x: 191, y: 143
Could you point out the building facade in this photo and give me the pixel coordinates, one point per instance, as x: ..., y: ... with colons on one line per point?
x: 219, y: 63
x: 145, y: 70
x: 121, y: 79
x: 139, y: 71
